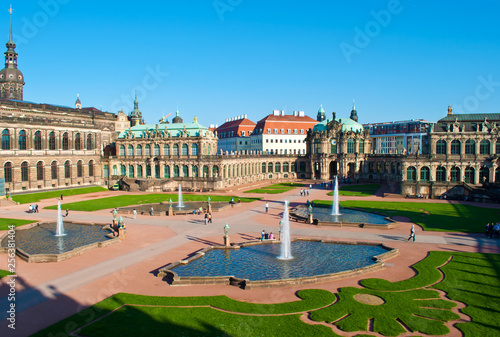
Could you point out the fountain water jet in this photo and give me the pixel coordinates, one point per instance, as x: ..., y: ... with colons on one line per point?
x: 180, y: 204
x: 335, y: 205
x: 286, y: 246
x: 60, y: 225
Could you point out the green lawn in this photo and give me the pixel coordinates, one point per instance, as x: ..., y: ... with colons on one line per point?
x: 4, y: 273
x: 5, y: 223
x: 36, y: 197
x: 365, y: 190
x: 471, y: 278
x: 276, y: 188
x: 431, y: 216
x: 128, y: 200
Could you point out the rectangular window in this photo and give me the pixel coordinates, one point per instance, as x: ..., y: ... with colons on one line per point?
x: 301, y: 131
x: 268, y: 130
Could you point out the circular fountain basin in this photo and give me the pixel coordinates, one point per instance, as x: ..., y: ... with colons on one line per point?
x: 347, y: 217
x: 258, y: 265
x: 39, y: 243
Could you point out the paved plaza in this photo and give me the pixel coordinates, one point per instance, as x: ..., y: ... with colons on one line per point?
x: 49, y: 292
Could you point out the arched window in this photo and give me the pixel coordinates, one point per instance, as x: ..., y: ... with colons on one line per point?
x: 157, y: 150
x: 469, y: 175
x: 176, y: 171
x: 38, y: 140
x: 455, y: 147
x: 65, y: 141
x: 361, y: 146
x: 215, y: 171
x: 52, y: 140
x: 185, y: 171
x: 7, y: 172
x: 91, y: 168
x: 175, y: 150
x: 105, y: 171
x: 166, y: 172
x: 270, y: 168
x: 157, y: 171
x: 470, y: 147
x: 286, y: 167
x: 441, y: 147
x: 139, y: 171
x: 39, y: 170
x: 455, y: 174
x: 440, y: 174
x: 123, y: 170
x: 67, y: 169
x: 130, y: 150
x: 5, y: 140
x: 205, y: 171
x: 90, y: 146
x: 194, y: 169
x: 263, y: 168
x: 79, y: 169
x: 411, y: 173
x: 147, y: 150
x: 53, y: 170
x: 148, y: 170
x: 484, y: 175
x: 131, y: 171
x: 166, y: 150
x: 184, y: 150
x: 24, y: 171
x: 115, y: 170
x: 351, y: 146
x: 78, y: 142
x: 138, y: 150
x: 425, y: 173
x: 194, y: 149
x: 122, y: 150
x: 22, y: 140
x: 484, y: 147
x: 277, y: 168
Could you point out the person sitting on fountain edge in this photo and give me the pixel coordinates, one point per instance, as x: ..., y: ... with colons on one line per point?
x: 263, y: 234
x: 271, y: 236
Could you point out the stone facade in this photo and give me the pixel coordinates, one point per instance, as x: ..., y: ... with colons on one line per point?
x: 45, y: 146
x: 464, y: 149
x: 337, y: 147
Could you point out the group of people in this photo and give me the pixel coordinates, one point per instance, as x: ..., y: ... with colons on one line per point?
x: 33, y: 208
x: 493, y: 230
x: 304, y: 193
x: 208, y: 218
x: 266, y: 236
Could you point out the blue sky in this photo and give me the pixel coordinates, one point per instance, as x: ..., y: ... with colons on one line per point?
x: 219, y: 59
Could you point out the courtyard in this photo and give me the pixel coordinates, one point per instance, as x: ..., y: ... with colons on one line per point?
x: 444, y: 283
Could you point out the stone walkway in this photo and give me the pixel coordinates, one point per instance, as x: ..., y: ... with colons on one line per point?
x: 47, y: 293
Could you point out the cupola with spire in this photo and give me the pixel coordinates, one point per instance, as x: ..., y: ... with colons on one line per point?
x: 321, y: 114
x: 11, y: 78
x: 177, y: 119
x: 354, y: 113
x: 135, y: 115
x: 78, y: 103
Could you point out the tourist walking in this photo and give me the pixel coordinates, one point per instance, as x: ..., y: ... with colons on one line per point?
x: 135, y: 213
x: 209, y: 217
x: 61, y: 196
x: 151, y: 212
x: 67, y: 212
x: 267, y: 207
x: 206, y: 218
x: 36, y: 208
x: 412, y: 233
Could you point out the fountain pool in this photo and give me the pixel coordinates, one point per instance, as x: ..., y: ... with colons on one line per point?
x: 39, y: 243
x: 258, y: 265
x: 347, y: 217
